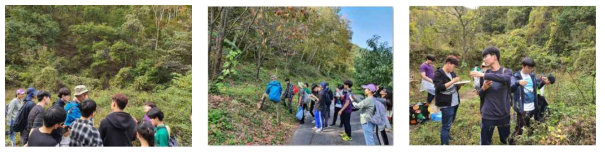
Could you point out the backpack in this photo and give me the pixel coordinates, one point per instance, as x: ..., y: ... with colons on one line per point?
x: 295, y: 90
x: 20, y: 122
x: 173, y: 142
x: 305, y: 97
x: 6, y: 111
x: 377, y: 117
x: 542, y: 109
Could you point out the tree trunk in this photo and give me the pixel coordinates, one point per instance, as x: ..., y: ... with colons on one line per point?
x: 219, y: 41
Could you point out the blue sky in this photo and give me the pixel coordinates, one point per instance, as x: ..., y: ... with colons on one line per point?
x: 368, y: 21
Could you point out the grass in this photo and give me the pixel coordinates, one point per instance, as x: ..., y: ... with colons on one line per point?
x: 570, y: 121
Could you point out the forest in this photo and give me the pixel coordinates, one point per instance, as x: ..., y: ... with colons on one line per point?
x: 561, y: 40
x: 144, y: 52
x: 246, y: 45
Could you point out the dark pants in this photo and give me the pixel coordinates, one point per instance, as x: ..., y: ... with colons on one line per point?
x: 429, y: 98
x: 288, y: 103
x: 336, y: 109
x: 487, y: 130
x: 326, y: 115
x: 523, y: 120
x: 345, y: 118
x: 447, y: 119
x: 24, y: 136
x: 311, y: 109
x: 383, y: 139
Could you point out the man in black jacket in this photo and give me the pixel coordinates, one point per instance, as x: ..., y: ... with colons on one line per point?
x: 118, y: 128
x: 447, y: 97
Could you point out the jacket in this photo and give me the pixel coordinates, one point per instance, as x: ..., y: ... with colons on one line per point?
x: 440, y: 79
x: 118, y: 129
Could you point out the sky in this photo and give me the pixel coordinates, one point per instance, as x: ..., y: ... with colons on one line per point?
x: 369, y: 21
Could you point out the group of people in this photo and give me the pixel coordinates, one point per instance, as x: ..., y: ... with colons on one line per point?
x: 498, y: 89
x: 375, y: 110
x: 69, y: 123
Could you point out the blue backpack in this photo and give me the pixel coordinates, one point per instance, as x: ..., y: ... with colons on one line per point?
x: 274, y: 89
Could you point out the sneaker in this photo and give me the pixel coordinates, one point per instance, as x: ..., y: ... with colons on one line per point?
x: 347, y: 138
x: 342, y: 134
x: 314, y: 128
x: 318, y: 130
x: 313, y: 122
x: 341, y: 126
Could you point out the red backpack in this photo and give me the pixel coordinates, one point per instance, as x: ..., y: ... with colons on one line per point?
x: 295, y: 90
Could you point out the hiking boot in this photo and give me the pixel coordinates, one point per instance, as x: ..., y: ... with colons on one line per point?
x: 347, y: 138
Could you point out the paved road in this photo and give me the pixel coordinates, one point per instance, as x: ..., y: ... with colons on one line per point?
x: 304, y: 135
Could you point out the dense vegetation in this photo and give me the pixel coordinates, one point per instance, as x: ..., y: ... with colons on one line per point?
x: 306, y: 44
x: 141, y: 51
x: 560, y: 39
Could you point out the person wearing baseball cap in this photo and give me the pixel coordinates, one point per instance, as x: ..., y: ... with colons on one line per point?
x: 366, y: 109
x: 13, y: 108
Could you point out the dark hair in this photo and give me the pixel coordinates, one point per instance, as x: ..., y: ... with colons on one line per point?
x: 150, y: 104
x: 54, y: 115
x: 287, y: 79
x: 551, y: 78
x: 64, y: 91
x: 145, y: 129
x: 491, y: 51
x: 156, y: 112
x: 306, y: 84
x: 43, y: 94
x: 430, y: 57
x: 349, y: 83
x: 452, y: 60
x: 528, y: 62
x: 121, y: 100
x: 340, y: 86
x: 313, y: 88
x: 87, y: 107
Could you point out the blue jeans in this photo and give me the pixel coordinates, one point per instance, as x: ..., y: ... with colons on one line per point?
x: 12, y: 133
x: 318, y: 119
x: 447, y: 119
x: 368, y: 133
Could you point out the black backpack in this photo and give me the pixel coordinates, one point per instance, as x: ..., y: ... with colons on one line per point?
x: 21, y: 119
x: 542, y: 109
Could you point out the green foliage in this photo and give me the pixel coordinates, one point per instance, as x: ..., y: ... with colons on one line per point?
x: 47, y: 79
x: 561, y: 40
x: 376, y: 65
x: 143, y: 51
